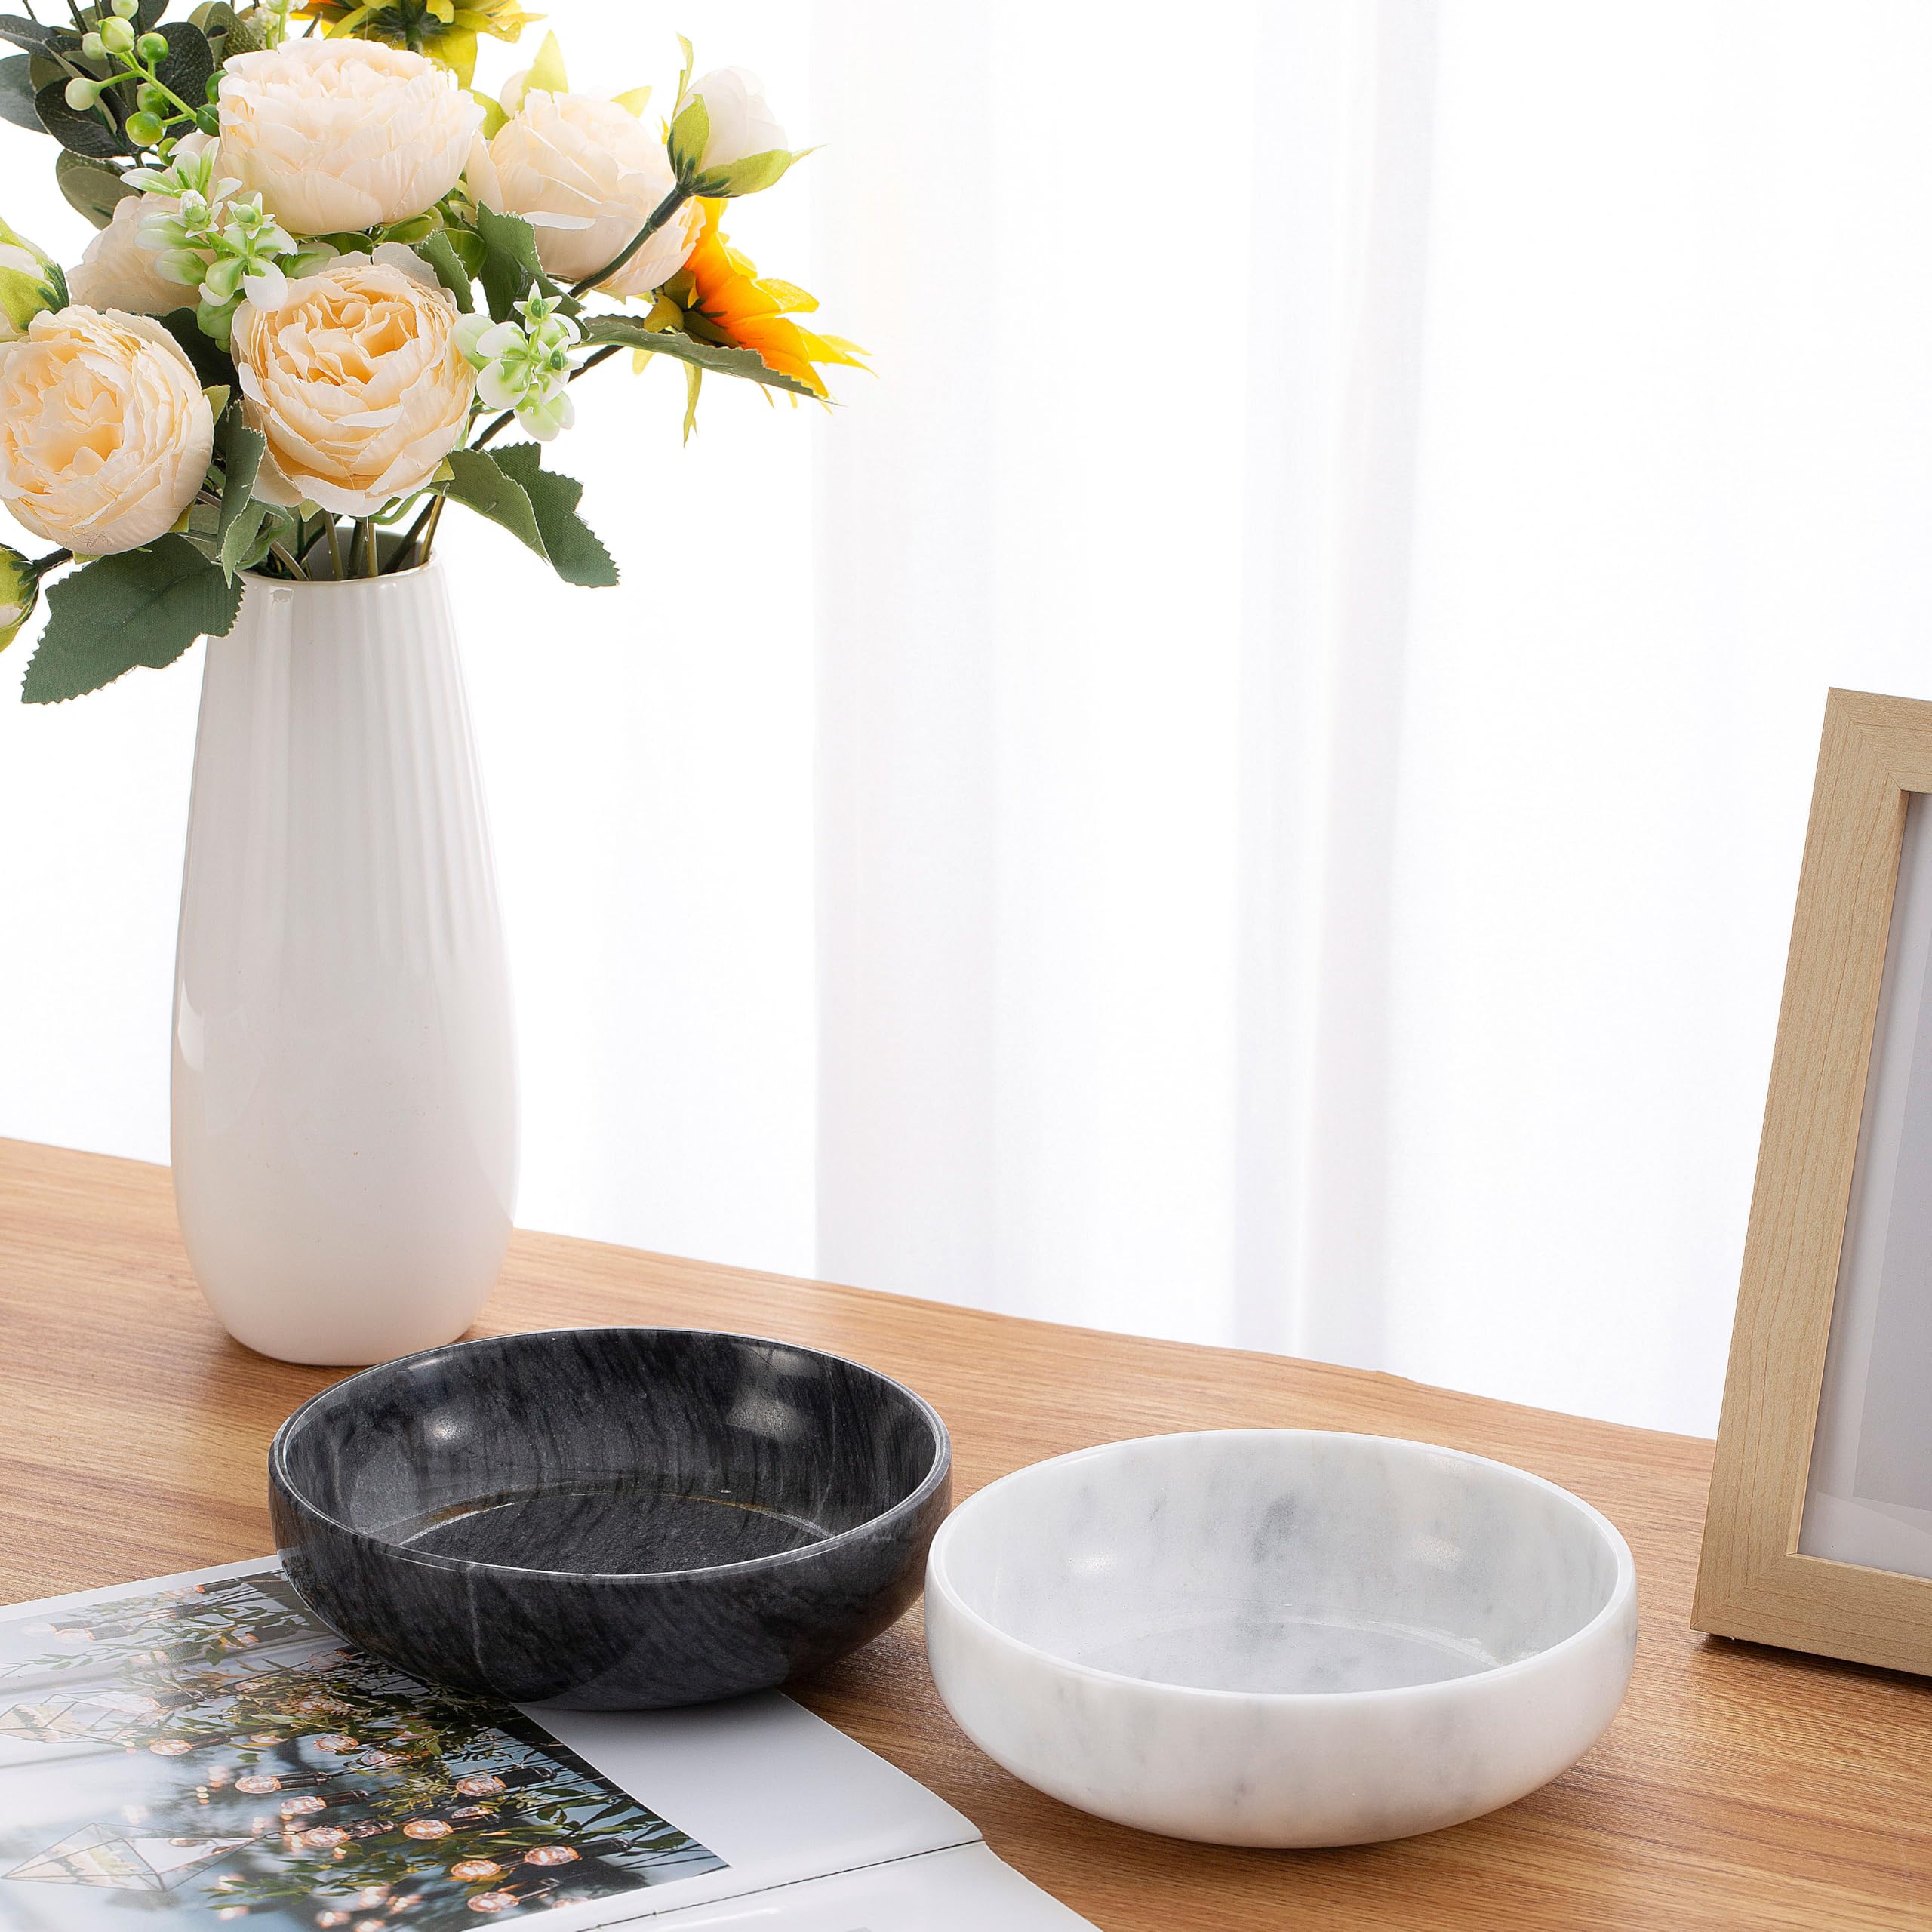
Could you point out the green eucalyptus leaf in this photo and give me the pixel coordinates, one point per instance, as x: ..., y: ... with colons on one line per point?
x: 713, y: 356
x: 83, y: 133
x: 190, y: 62
x: 29, y: 34
x: 570, y: 543
x: 141, y: 607
x: 437, y: 251
x: 91, y: 188
x: 223, y: 25
x: 16, y: 93
x: 476, y: 480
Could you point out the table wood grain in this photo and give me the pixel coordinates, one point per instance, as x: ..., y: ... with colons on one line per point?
x: 1739, y: 1786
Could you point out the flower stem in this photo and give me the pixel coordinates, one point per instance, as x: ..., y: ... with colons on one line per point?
x: 369, y: 565
x: 429, y: 531
x: 287, y: 562
x: 423, y: 518
x: 589, y: 362
x: 335, y: 544
x: 659, y: 215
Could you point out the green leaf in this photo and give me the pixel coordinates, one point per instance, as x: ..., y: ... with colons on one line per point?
x: 546, y: 71
x: 202, y: 519
x: 468, y: 249
x: 226, y: 33
x: 213, y: 368
x: 688, y: 134
x: 241, y: 450
x: 79, y: 133
x: 190, y: 61
x: 240, y: 542
x: 744, y: 362
x: 17, y: 93
x: 417, y: 228
x: 142, y: 606
x: 476, y: 481
x: 22, y: 33
x: 436, y: 250
x: 510, y: 267
x: 570, y: 544
x: 693, y: 384
x: 746, y: 175
x: 91, y: 188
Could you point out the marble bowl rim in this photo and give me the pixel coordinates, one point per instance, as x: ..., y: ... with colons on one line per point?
x: 908, y: 1506
x: 1623, y: 1591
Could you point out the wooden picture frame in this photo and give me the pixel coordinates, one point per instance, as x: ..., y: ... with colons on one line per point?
x: 1753, y: 1581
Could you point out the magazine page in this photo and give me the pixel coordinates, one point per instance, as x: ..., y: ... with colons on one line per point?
x: 201, y: 1749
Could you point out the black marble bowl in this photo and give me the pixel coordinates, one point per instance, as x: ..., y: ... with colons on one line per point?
x: 612, y: 1518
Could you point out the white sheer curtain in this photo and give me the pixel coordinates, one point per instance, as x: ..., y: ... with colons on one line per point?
x: 1325, y: 620
x: 1249, y: 785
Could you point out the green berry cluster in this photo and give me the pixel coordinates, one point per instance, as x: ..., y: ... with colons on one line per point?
x: 159, y: 111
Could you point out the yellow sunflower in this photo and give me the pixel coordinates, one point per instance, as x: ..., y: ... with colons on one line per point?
x: 719, y: 296
x: 445, y: 30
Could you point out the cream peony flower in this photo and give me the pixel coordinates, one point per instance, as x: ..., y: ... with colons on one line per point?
x: 742, y: 122
x: 118, y: 271
x: 105, y: 435
x: 355, y: 378
x: 584, y: 172
x: 343, y: 134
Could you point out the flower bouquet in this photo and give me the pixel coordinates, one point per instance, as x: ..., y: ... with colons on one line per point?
x: 334, y: 289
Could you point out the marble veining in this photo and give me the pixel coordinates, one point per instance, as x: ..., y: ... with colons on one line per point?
x: 1281, y: 1637
x: 620, y: 1518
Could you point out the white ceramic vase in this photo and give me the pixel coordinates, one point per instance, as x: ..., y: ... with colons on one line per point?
x: 345, y: 1104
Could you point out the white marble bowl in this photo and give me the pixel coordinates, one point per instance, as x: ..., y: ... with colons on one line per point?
x: 1281, y: 1637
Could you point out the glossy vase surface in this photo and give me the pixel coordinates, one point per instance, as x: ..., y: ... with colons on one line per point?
x: 345, y: 1101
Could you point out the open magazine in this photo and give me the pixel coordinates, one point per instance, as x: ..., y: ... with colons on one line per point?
x: 201, y: 1750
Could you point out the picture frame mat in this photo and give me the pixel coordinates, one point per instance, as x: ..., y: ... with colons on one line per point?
x: 1868, y: 1497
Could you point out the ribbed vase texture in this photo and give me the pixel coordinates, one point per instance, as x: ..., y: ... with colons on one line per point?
x: 345, y: 1105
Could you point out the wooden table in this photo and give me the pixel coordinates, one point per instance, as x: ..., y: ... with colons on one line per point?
x: 1740, y: 1787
